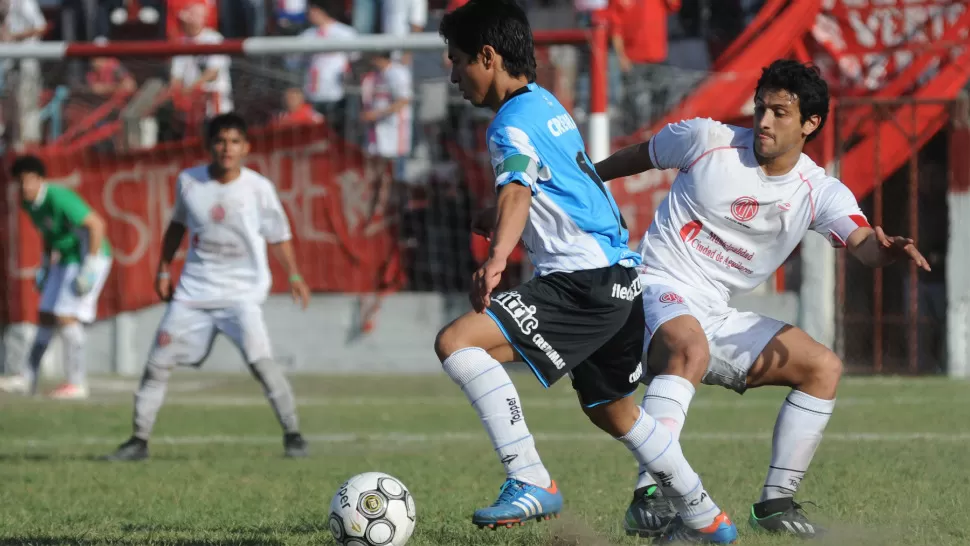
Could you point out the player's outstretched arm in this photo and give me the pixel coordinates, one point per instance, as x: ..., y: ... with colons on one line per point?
x: 629, y: 161
x: 171, y: 242
x: 874, y: 248
x: 283, y: 251
x: 512, y: 212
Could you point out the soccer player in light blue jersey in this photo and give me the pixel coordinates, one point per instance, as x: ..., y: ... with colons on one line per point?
x: 582, y: 313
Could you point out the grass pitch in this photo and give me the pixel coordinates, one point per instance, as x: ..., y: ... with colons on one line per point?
x: 894, y: 467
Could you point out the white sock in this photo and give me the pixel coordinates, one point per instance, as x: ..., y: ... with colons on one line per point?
x: 75, y: 371
x: 491, y: 392
x: 41, y: 341
x: 798, y: 431
x: 654, y: 446
x: 666, y: 400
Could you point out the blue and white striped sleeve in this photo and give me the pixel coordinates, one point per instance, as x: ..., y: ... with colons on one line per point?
x: 513, y: 156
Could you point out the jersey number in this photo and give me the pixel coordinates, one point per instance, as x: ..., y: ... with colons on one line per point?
x: 591, y: 173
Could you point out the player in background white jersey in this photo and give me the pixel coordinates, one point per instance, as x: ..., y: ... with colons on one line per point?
x: 230, y: 213
x: 744, y: 198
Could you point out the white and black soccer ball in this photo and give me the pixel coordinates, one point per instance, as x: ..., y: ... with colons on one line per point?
x: 372, y: 509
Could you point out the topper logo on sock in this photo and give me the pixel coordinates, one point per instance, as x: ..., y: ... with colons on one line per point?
x: 522, y: 314
x: 698, y: 500
x: 664, y: 479
x: 515, y: 410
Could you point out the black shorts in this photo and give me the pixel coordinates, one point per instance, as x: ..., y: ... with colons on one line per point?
x: 588, y: 324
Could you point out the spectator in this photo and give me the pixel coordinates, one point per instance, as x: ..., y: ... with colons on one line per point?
x: 402, y: 17
x: 364, y: 14
x: 173, y: 26
x: 585, y: 10
x: 638, y: 31
x: 201, y: 76
x: 108, y: 76
x: 290, y: 16
x: 297, y: 111
x: 118, y: 13
x: 22, y: 21
x: 386, y: 94
x: 324, y: 85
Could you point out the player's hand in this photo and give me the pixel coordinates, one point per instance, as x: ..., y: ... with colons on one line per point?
x: 369, y: 116
x: 484, y: 281
x: 85, y: 279
x: 163, y: 286
x: 901, y: 247
x: 40, y: 277
x: 300, y: 291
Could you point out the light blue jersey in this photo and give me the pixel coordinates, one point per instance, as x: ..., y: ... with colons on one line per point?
x: 574, y: 223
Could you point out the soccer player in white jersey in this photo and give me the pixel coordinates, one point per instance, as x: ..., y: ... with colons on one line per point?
x: 581, y: 315
x: 230, y: 213
x: 744, y: 198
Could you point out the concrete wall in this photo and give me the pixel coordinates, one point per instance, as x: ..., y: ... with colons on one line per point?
x: 321, y: 339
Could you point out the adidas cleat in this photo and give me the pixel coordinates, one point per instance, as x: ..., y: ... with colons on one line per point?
x: 519, y: 502
x: 294, y: 446
x: 722, y: 531
x: 135, y: 449
x: 649, y: 513
x: 783, y: 516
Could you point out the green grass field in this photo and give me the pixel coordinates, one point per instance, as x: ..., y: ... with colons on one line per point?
x: 894, y: 467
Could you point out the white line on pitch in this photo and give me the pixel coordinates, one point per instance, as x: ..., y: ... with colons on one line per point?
x: 399, y: 438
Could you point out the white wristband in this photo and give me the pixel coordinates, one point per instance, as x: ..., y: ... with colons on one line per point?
x: 162, y: 275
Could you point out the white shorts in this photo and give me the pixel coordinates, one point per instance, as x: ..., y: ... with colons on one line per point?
x: 185, y: 334
x: 735, y: 338
x: 59, y: 298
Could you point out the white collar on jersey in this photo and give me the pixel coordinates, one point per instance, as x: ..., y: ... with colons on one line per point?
x: 41, y: 195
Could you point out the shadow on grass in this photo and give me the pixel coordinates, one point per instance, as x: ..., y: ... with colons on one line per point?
x: 64, y: 540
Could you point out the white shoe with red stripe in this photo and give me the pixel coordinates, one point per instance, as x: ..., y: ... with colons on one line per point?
x: 68, y: 391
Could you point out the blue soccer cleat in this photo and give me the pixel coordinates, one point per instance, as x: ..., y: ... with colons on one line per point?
x: 722, y: 531
x: 517, y: 502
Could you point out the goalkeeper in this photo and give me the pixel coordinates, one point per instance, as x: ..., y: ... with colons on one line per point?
x: 75, y: 264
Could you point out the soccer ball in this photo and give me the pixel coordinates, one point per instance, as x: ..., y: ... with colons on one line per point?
x: 372, y: 509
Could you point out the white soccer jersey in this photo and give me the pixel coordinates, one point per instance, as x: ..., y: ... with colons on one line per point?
x: 24, y: 15
x: 189, y: 68
x: 726, y: 226
x: 389, y: 136
x: 229, y: 226
x: 324, y: 77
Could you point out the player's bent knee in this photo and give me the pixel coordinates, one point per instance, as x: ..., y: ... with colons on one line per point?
x: 681, y: 351
x: 828, y: 368
x: 156, y: 371
x: 447, y: 342
x: 616, y: 418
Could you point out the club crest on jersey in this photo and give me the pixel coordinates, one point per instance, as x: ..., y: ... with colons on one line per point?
x: 217, y: 213
x: 744, y: 208
x: 670, y: 297
x: 163, y: 339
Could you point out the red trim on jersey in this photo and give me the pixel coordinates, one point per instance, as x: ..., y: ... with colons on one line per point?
x: 811, y: 200
x: 719, y: 148
x: 859, y: 220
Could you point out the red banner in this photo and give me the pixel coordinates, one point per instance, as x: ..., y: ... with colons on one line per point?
x: 865, y: 44
x: 326, y: 190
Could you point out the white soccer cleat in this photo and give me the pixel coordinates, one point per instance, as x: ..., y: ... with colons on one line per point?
x: 15, y: 384
x: 68, y: 391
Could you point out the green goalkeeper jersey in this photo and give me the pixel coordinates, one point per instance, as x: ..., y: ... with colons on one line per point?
x: 59, y: 215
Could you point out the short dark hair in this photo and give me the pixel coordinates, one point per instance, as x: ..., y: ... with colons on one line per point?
x: 28, y: 164
x: 501, y: 24
x: 802, y: 80
x: 225, y: 122
x: 330, y: 7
